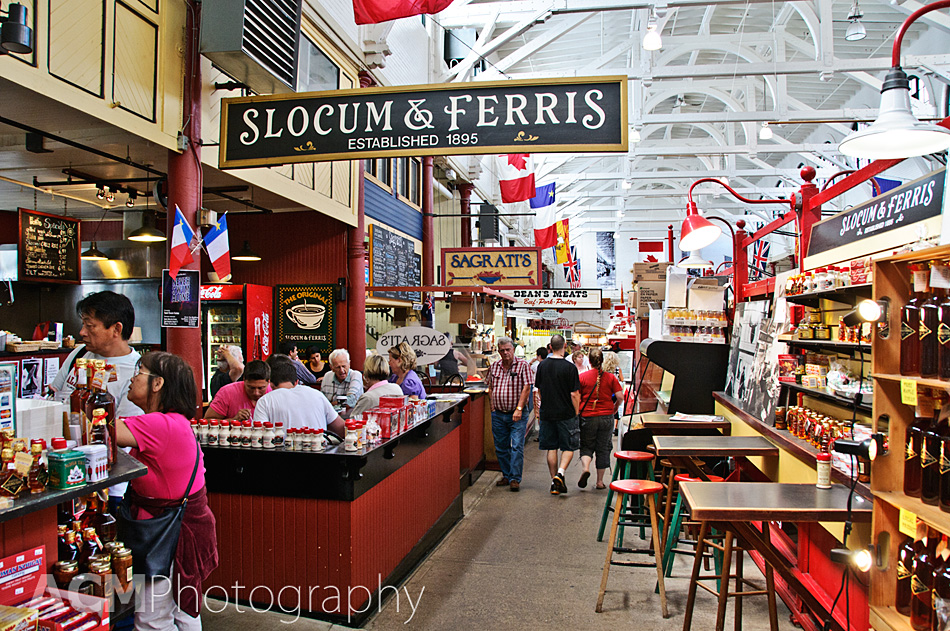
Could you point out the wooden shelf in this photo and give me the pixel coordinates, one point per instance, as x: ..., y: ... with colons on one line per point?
x: 887, y: 619
x: 929, y: 382
x: 849, y: 294
x: 829, y: 344
x: 827, y: 396
x: 934, y: 517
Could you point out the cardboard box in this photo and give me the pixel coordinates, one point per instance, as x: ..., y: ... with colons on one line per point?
x: 650, y: 272
x: 646, y: 293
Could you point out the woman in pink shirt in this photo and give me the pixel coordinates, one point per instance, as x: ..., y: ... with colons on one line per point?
x: 164, y: 386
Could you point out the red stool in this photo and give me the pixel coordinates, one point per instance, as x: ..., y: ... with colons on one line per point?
x: 636, y: 488
x: 637, y: 459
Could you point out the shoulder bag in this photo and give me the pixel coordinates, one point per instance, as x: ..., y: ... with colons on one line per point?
x: 154, y: 541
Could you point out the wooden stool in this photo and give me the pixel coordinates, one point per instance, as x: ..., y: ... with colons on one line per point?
x: 643, y: 470
x: 675, y: 522
x: 723, y: 592
x: 636, y: 488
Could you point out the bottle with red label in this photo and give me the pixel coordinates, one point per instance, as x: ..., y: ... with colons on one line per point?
x: 77, y: 398
x: 103, y: 402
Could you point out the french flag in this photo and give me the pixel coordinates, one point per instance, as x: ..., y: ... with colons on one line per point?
x: 182, y: 237
x: 216, y: 242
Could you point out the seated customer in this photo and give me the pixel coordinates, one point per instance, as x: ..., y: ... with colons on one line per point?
x: 402, y: 360
x: 315, y: 363
x: 237, y: 400
x: 342, y: 385
x: 375, y: 378
x: 303, y: 373
x: 293, y: 404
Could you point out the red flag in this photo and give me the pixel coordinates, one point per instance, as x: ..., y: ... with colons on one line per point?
x: 516, y: 178
x: 376, y: 11
x: 651, y: 246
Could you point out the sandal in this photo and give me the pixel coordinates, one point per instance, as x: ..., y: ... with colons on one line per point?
x: 582, y: 483
x: 600, y: 487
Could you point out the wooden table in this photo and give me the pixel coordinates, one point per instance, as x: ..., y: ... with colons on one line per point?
x: 733, y: 506
x: 662, y: 424
x: 682, y: 449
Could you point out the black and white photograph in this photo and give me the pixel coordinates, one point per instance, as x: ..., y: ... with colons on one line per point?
x: 606, y: 261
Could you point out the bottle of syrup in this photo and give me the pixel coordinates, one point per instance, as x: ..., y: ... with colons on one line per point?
x: 91, y: 544
x: 941, y: 593
x: 913, y: 445
x: 929, y: 322
x: 905, y: 566
x: 101, y: 519
x: 910, y: 325
x: 930, y: 460
x: 921, y: 581
x: 38, y: 475
x: 101, y: 400
x: 77, y: 398
x: 943, y: 335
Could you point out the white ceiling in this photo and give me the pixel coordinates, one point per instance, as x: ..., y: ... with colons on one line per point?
x: 725, y: 68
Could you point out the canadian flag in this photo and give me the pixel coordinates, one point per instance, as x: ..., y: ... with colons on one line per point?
x: 516, y: 178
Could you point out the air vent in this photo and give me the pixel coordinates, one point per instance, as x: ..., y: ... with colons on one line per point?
x: 254, y: 41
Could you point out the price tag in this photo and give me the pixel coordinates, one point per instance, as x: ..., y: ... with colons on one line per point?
x: 940, y: 276
x: 907, y: 523
x: 23, y: 461
x: 908, y: 392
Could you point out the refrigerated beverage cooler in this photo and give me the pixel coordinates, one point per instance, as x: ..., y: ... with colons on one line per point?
x: 235, y: 315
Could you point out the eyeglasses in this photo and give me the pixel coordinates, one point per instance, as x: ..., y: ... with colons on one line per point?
x: 140, y: 371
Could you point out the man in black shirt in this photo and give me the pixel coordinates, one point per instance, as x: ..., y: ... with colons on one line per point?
x: 560, y: 429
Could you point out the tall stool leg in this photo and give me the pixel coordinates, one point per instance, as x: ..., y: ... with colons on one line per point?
x: 672, y: 536
x: 739, y: 582
x: 610, y: 496
x: 770, y: 582
x: 694, y: 577
x: 724, y: 582
x: 667, y: 507
x: 610, y: 553
x: 657, y: 554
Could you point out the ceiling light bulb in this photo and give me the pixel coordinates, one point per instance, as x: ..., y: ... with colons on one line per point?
x: 766, y: 132
x: 130, y: 202
x: 652, y: 39
x: 110, y: 196
x: 100, y: 194
x: 635, y: 135
x: 626, y: 185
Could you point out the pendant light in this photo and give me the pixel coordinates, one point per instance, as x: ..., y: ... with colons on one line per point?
x: 148, y: 233
x: 16, y: 36
x: 856, y: 30
x: 94, y: 254
x: 652, y: 39
x: 694, y: 261
x: 897, y: 134
x: 246, y: 253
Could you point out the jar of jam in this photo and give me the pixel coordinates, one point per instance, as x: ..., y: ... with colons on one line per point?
x: 101, y: 574
x: 822, y: 331
x: 122, y: 566
x: 64, y: 572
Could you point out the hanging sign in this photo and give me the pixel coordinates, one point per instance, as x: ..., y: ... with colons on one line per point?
x: 550, y: 314
x: 429, y: 345
x: 497, y: 267
x: 48, y: 248
x: 536, y: 115
x: 887, y: 221
x: 557, y: 298
x: 305, y: 314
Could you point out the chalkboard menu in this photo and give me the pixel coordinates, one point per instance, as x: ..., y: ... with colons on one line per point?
x: 393, y: 262
x: 48, y: 248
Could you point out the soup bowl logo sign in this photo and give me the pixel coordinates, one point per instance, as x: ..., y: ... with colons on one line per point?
x: 305, y: 314
x: 430, y: 345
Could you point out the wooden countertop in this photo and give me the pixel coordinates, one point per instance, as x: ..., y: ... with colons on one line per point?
x: 772, y: 501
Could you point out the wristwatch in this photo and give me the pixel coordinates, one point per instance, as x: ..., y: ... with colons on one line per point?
x: 518, y: 408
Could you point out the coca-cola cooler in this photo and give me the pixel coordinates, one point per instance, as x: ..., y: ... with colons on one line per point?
x: 239, y: 315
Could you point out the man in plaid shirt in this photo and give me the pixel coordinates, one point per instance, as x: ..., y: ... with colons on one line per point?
x: 509, y: 381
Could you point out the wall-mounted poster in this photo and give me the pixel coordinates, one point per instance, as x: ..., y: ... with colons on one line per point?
x: 8, y: 386
x: 180, y: 298
x: 606, y: 261
x: 306, y: 315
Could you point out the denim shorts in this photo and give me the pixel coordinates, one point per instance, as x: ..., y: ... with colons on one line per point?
x: 564, y: 435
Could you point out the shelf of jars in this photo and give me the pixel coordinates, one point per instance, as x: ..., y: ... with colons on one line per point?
x: 833, y: 345
x: 911, y: 484
x: 826, y: 395
x: 846, y: 294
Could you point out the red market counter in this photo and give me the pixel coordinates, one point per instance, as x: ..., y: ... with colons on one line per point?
x: 475, y: 418
x: 321, y: 534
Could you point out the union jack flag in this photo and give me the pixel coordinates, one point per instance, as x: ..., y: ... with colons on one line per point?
x: 572, y: 269
x: 760, y: 258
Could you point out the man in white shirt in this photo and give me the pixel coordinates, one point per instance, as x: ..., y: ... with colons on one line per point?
x: 107, y: 321
x: 342, y: 385
x: 295, y: 405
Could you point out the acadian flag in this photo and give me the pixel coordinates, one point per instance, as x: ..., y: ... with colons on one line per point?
x: 516, y: 178
x: 182, y: 237
x: 543, y: 196
x: 216, y: 242
x: 562, y: 247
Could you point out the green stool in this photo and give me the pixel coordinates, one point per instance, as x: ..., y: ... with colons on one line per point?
x: 676, y: 521
x: 642, y: 463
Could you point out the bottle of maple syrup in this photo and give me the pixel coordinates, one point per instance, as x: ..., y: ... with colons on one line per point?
x: 930, y: 457
x: 913, y: 446
x: 12, y: 483
x: 929, y: 323
x: 77, y: 398
x: 910, y: 324
x: 921, y: 581
x: 38, y: 475
x: 905, y: 565
x: 103, y: 403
